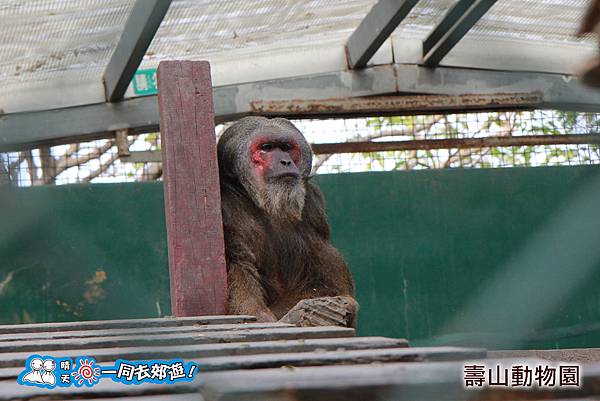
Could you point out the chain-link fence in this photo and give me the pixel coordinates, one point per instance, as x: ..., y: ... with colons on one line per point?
x: 470, y: 140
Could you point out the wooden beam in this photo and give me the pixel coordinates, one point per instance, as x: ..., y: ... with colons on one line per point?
x: 17, y: 359
x: 191, y: 186
x: 27, y: 328
x: 181, y: 338
x: 195, y: 328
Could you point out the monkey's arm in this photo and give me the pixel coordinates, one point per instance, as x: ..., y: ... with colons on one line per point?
x: 334, y: 277
x: 329, y: 299
x: 246, y: 294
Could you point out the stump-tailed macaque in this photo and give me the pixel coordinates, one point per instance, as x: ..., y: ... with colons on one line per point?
x: 280, y: 263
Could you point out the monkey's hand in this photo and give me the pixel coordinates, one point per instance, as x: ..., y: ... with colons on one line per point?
x: 262, y: 314
x: 265, y: 316
x: 323, y: 311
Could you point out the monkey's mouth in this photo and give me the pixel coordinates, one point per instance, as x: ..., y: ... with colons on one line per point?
x: 287, y: 176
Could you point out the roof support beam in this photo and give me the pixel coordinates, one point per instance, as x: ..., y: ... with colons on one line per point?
x: 140, y: 28
x: 374, y: 29
x: 538, y: 90
x: 455, y: 24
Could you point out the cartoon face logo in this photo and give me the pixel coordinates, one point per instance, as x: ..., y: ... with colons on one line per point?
x: 48, y: 377
x: 49, y: 365
x: 36, y: 364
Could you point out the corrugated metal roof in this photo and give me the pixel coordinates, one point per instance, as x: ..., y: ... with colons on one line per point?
x: 53, y: 53
x: 41, y: 40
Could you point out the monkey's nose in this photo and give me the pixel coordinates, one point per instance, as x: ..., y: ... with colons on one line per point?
x: 286, y: 162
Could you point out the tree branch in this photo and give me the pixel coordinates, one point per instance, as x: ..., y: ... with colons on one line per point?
x: 73, y: 158
x: 103, y: 167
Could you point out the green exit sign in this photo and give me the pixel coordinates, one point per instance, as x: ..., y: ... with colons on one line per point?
x: 144, y: 82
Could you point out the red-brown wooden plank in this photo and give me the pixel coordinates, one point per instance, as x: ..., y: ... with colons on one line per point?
x: 191, y: 187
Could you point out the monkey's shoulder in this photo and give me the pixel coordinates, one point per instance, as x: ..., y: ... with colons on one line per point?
x: 313, y: 214
x: 237, y: 208
x: 314, y: 194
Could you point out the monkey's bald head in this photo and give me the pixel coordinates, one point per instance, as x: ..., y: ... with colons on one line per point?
x: 270, y: 159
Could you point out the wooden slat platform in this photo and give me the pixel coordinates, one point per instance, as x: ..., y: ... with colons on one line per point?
x: 239, y: 359
x: 205, y: 337
x: 195, y: 328
x: 211, y: 350
x: 113, y: 324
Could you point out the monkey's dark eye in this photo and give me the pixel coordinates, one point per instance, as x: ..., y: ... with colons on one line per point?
x: 266, y: 147
x: 286, y: 147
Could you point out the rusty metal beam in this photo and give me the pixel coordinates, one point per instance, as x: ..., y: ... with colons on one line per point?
x: 466, y: 143
x: 396, y: 104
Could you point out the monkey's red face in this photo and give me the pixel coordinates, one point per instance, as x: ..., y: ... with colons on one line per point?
x: 276, y: 157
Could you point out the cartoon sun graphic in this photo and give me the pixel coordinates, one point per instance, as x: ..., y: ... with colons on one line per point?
x: 86, y: 372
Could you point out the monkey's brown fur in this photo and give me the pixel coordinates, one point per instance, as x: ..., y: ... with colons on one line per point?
x: 274, y: 260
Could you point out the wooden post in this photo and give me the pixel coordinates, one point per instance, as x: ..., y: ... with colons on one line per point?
x: 191, y: 186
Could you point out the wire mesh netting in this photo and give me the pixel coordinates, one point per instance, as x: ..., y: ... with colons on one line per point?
x: 507, y: 19
x: 502, y: 139
x: 47, y: 46
x: 555, y: 128
x: 48, y: 40
x: 43, y: 40
x: 203, y: 29
x: 97, y: 161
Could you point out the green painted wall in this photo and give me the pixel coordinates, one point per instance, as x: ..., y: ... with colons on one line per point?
x: 83, y: 252
x: 421, y: 244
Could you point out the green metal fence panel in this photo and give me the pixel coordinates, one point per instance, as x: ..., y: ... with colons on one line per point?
x: 420, y: 244
x: 83, y: 252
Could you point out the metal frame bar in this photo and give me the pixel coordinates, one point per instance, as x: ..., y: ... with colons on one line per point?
x: 464, y: 143
x: 528, y: 89
x: 374, y: 29
x: 154, y: 156
x: 140, y: 28
x: 453, y: 27
x: 395, y: 104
